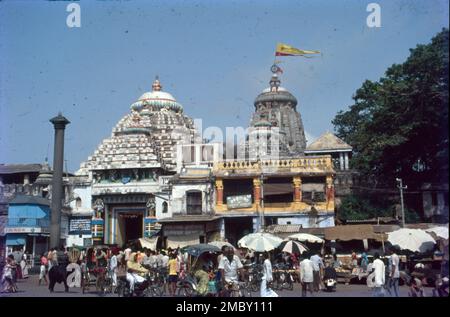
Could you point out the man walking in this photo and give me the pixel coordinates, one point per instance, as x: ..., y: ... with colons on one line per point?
x: 394, y: 272
x: 379, y: 272
x: 306, y: 276
x: 317, y: 273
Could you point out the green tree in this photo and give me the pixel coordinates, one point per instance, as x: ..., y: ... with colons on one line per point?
x: 402, y: 119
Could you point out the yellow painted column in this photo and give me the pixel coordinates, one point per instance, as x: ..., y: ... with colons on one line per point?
x: 330, y: 193
x: 257, y: 190
x: 297, y: 183
x: 219, y: 193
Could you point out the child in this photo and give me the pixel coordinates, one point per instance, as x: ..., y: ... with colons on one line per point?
x: 43, y: 270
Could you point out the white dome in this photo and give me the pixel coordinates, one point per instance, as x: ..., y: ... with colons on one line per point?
x: 157, y: 95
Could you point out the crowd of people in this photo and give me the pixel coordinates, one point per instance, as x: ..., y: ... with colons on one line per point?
x: 225, y: 271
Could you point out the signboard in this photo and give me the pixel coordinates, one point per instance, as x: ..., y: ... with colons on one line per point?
x: 26, y: 230
x: 241, y: 201
x: 80, y: 225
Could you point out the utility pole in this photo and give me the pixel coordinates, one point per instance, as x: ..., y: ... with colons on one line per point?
x: 401, y: 188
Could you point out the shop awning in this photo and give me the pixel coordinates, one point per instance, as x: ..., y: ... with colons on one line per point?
x: 174, y: 242
x: 352, y: 232
x: 149, y: 243
x: 16, y: 239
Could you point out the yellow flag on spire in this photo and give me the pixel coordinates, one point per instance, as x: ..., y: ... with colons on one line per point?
x: 287, y: 50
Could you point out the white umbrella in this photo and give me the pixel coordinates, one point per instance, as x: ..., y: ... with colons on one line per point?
x: 441, y: 232
x: 220, y: 244
x: 260, y: 242
x: 292, y: 247
x: 306, y: 237
x: 414, y: 240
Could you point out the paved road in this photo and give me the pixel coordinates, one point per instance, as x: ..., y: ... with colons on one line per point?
x: 29, y: 288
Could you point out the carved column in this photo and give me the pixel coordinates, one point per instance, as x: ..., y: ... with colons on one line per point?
x: 219, y: 192
x: 297, y: 183
x: 257, y: 190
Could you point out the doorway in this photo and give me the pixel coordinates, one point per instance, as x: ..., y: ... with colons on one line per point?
x: 130, y: 227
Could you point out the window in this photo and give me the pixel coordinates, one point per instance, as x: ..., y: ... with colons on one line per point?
x: 78, y: 202
x: 194, y: 203
x: 164, y: 207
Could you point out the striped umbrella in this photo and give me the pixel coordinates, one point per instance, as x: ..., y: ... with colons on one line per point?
x: 260, y: 242
x: 292, y: 246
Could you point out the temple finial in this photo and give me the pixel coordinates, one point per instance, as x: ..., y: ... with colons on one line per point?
x: 156, y: 84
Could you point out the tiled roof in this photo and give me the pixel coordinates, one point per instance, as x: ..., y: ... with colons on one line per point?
x: 19, y: 168
x: 328, y: 141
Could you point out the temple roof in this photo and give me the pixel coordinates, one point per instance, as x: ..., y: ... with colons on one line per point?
x: 156, y: 98
x: 275, y: 93
x: 144, y: 138
x: 328, y: 142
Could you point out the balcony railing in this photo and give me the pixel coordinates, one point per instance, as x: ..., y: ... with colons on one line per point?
x: 303, y: 163
x: 29, y: 222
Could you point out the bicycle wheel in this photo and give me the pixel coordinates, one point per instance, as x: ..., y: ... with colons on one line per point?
x: 185, y: 291
x: 254, y: 286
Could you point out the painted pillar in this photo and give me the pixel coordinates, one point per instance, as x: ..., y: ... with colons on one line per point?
x: 59, y: 123
x: 257, y: 190
x: 106, y: 238
x: 297, y: 182
x: 346, y: 160
x: 219, y: 192
x: 341, y: 161
x: 330, y: 191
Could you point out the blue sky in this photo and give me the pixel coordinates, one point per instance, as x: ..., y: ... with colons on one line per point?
x: 214, y: 57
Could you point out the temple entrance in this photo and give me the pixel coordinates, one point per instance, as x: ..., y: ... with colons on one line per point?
x: 130, y: 227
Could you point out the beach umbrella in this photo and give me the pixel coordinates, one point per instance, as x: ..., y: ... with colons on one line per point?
x: 414, y: 240
x: 260, y: 242
x: 306, y: 237
x: 440, y: 231
x: 291, y: 246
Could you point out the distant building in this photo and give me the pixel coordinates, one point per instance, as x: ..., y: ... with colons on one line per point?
x: 341, y: 153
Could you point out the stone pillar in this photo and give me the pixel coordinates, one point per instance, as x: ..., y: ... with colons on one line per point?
x: 257, y: 190
x: 26, y: 179
x: 219, y: 192
x: 346, y: 160
x: 341, y: 161
x: 59, y: 124
x: 198, y: 154
x: 297, y: 182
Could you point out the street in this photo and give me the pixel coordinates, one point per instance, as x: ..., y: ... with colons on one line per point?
x: 29, y: 288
